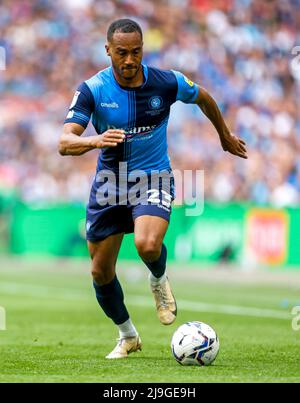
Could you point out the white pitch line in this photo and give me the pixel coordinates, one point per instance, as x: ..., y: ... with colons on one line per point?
x: 40, y: 291
x: 217, y: 308
x: 10, y: 288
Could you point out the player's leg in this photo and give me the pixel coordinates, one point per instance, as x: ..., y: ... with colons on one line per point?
x: 149, y: 232
x: 109, y: 293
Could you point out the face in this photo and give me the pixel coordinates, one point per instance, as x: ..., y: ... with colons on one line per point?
x: 126, y: 52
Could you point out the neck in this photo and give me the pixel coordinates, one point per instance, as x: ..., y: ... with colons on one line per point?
x: 136, y: 81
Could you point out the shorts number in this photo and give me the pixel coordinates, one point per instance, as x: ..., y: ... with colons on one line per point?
x: 154, y: 197
x: 166, y: 199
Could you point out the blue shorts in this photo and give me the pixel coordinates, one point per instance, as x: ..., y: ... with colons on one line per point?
x: 115, y: 203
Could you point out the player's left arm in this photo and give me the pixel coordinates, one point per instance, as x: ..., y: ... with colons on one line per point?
x: 229, y: 141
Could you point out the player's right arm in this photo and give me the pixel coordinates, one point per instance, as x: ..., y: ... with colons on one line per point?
x: 72, y: 144
x: 81, y: 108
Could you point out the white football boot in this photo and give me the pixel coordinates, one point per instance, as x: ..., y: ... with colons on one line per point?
x: 165, y: 302
x: 125, y: 346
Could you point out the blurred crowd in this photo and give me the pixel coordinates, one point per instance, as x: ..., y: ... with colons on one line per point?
x: 242, y: 51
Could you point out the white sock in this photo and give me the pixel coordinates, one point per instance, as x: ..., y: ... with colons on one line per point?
x: 127, y: 329
x: 157, y: 280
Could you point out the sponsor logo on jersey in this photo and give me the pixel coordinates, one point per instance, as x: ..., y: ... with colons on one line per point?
x: 132, y: 131
x: 155, y: 102
x: 109, y: 105
x: 189, y: 82
x: 139, y: 130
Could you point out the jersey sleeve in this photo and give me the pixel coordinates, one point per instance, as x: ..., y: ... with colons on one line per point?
x: 187, y: 90
x: 82, y: 106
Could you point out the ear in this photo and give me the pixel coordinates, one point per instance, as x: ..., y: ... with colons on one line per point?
x: 107, y: 50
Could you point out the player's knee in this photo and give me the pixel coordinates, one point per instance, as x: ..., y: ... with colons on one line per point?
x: 102, y: 278
x: 149, y: 248
x: 102, y: 274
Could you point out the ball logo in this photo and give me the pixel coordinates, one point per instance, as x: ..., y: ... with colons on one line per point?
x: 155, y: 102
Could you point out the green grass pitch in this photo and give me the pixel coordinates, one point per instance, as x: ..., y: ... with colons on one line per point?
x: 55, y: 331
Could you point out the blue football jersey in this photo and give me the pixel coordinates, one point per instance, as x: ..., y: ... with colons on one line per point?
x: 143, y: 113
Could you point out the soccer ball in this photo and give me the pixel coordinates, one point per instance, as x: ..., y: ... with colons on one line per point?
x: 195, y: 343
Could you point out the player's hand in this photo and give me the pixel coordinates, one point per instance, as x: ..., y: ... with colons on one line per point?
x: 234, y: 145
x: 110, y: 138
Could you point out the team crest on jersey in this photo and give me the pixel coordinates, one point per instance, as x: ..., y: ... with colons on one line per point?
x: 155, y: 102
x: 189, y: 82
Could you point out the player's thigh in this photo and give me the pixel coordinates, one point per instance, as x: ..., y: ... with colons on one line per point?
x: 104, y: 253
x: 149, y: 232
